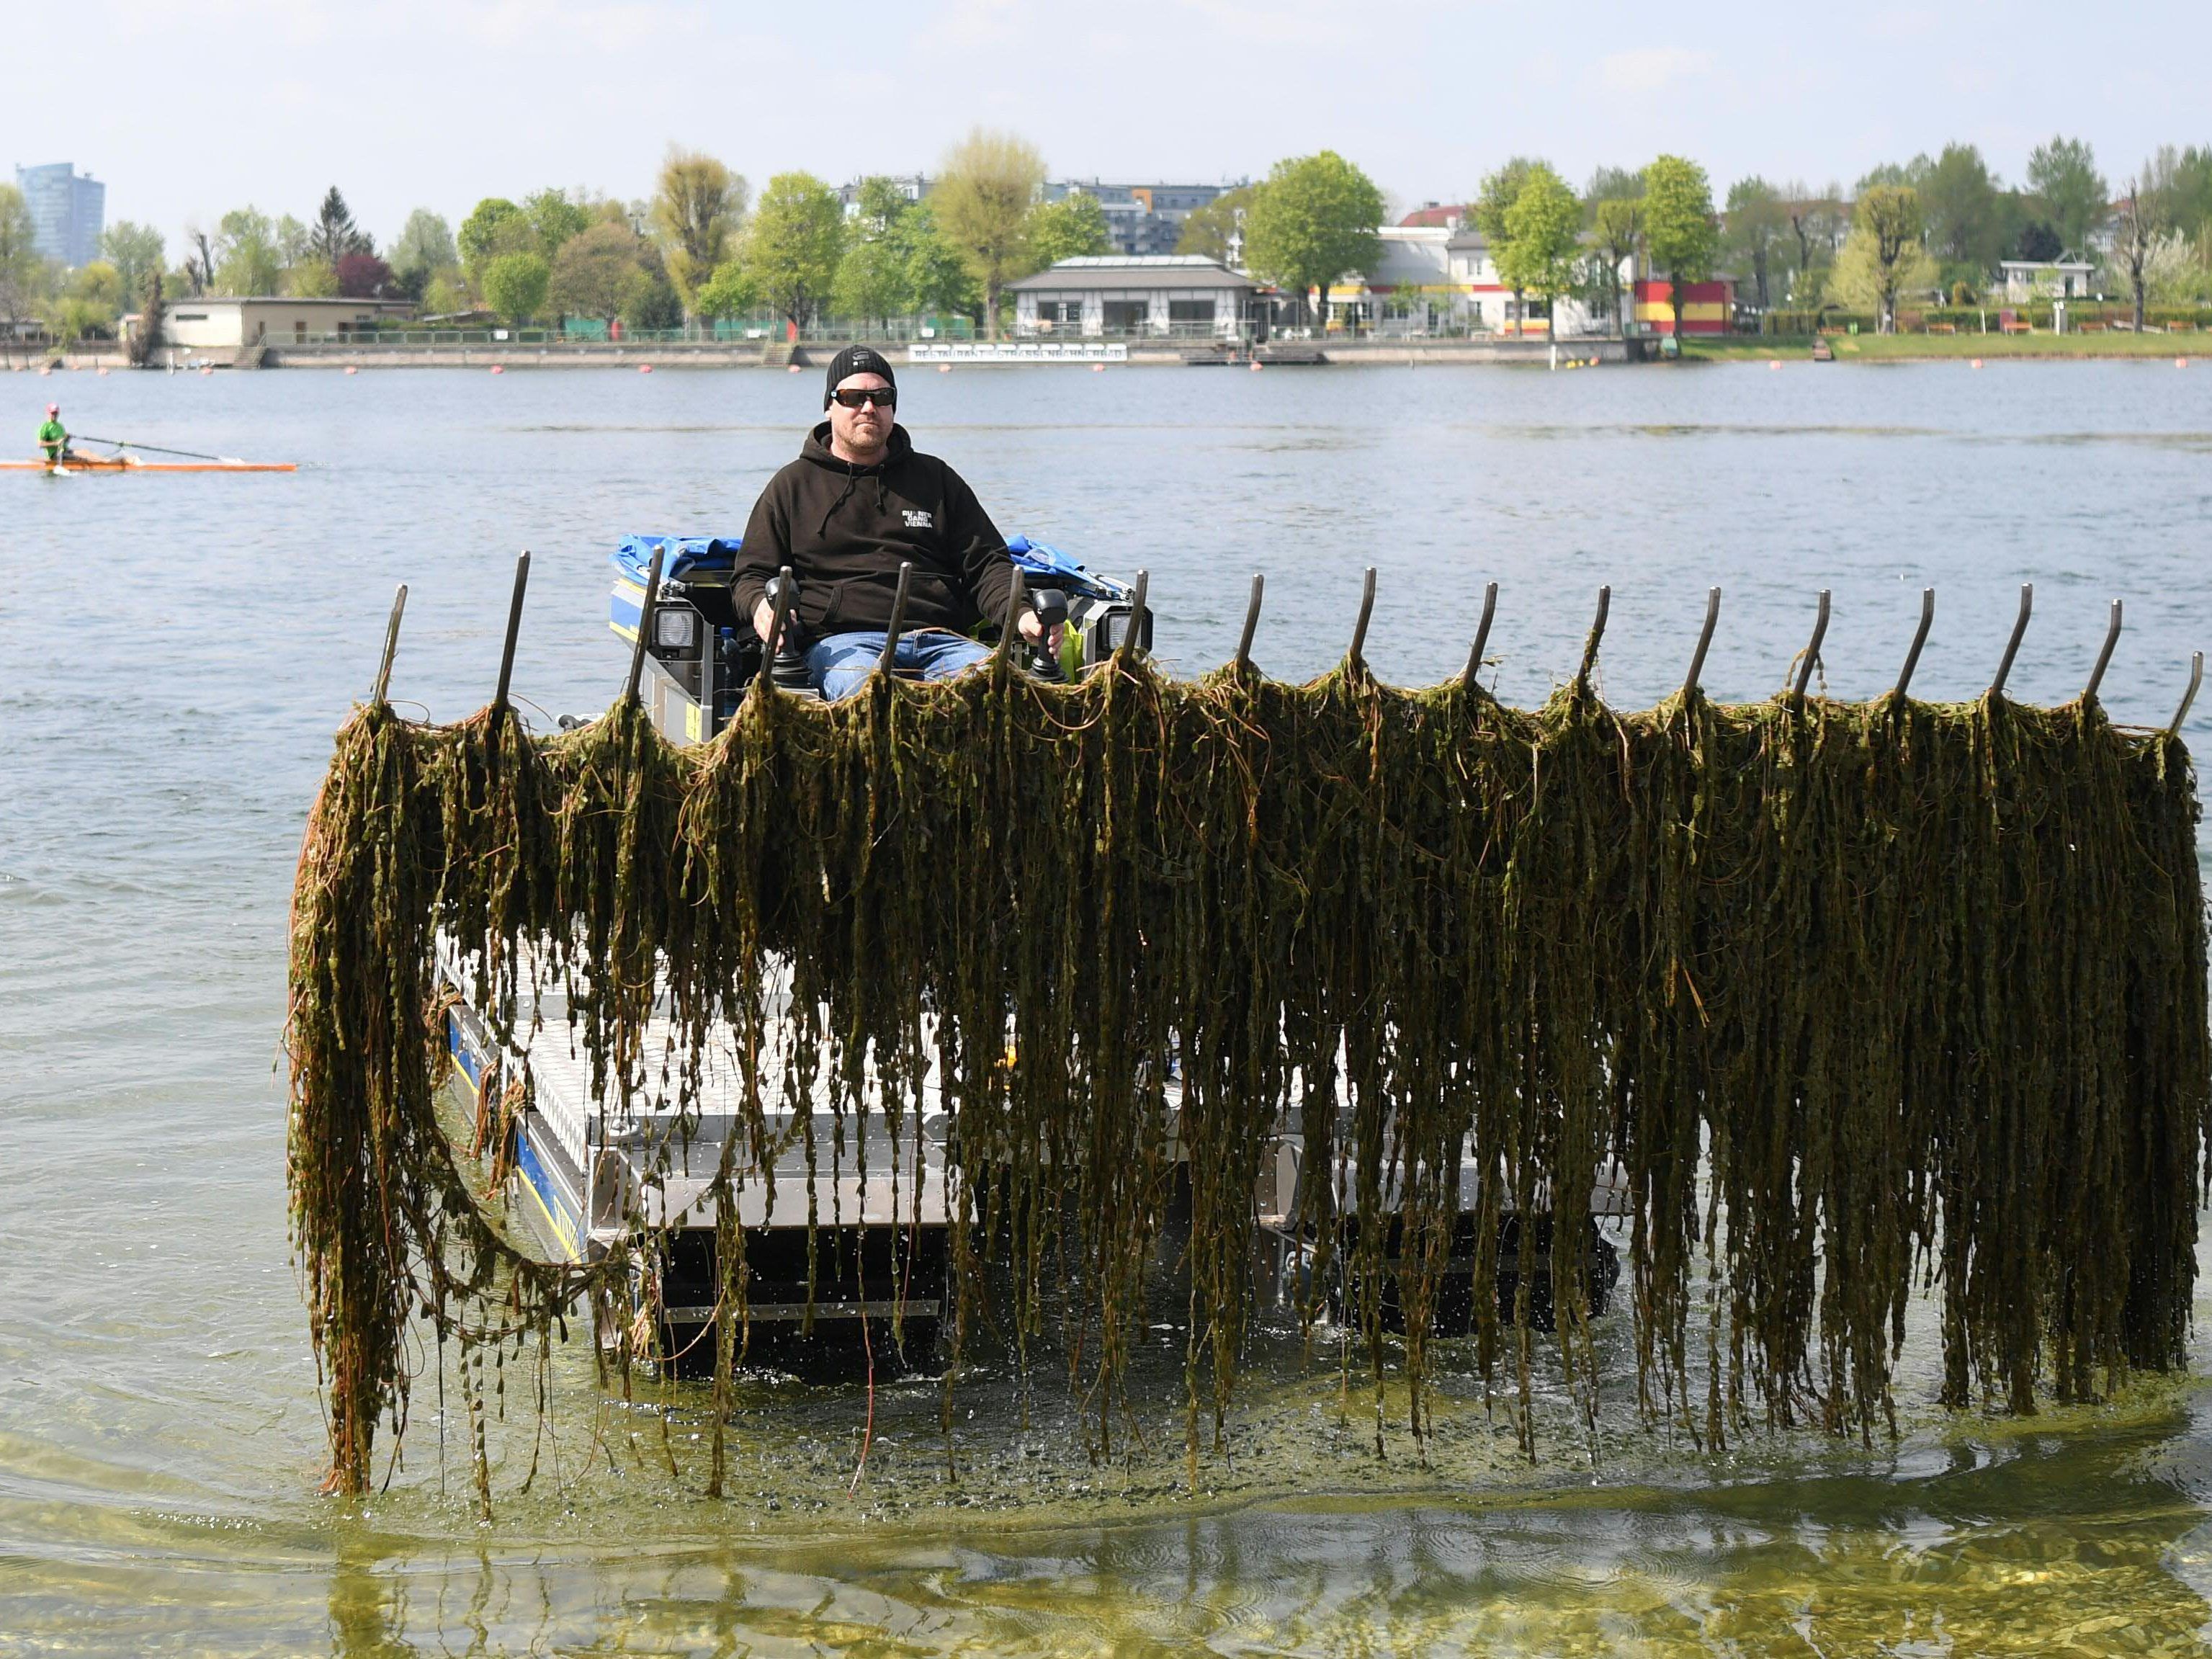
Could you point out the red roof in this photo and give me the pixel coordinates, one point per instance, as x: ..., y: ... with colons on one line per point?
x: 1435, y: 217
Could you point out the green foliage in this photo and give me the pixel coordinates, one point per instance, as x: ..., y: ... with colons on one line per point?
x: 90, y: 303
x: 1758, y: 223
x: 1883, y: 257
x: 1494, y: 200
x: 793, y: 247
x: 22, y: 272
x: 589, y: 271
x: 986, y: 186
x: 698, y: 210
x: 136, y: 251
x: 1210, y: 230
x: 1862, y: 996
x: 937, y: 279
x: 248, y: 260
x: 555, y: 220
x: 495, y: 226
x: 310, y: 281
x: 731, y: 292
x: 648, y: 299
x: 2064, y: 175
x: 1678, y: 228
x: 1970, y: 219
x: 1073, y: 227
x: 514, y: 285
x: 334, y: 235
x: 2183, y: 180
x: 1543, y: 236
x: 1313, y: 220
x: 446, y: 295
x: 425, y: 244
x: 871, y: 283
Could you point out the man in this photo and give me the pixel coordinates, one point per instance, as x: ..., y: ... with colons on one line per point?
x: 54, y: 436
x: 858, y: 502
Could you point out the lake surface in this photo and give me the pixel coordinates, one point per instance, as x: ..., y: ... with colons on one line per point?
x: 175, y: 653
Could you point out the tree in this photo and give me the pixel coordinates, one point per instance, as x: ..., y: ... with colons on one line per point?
x: 495, y: 226
x: 514, y: 285
x: 1543, y: 232
x: 1678, y: 227
x: 1614, y: 185
x: 989, y: 181
x: 335, y: 234
x: 1757, y: 222
x: 362, y: 277
x: 2183, y: 179
x: 554, y: 219
x: 1965, y: 212
x: 697, y: 207
x: 310, y: 281
x: 648, y: 299
x: 1620, y: 236
x: 424, y: 243
x: 20, y: 267
x: 1073, y: 227
x: 291, y: 241
x: 1216, y: 231
x: 871, y: 282
x: 937, y: 278
x: 1817, y: 223
x: 2064, y: 177
x: 791, y: 249
x: 92, y: 302
x: 2136, y: 229
x: 199, y: 260
x: 589, y: 272
x: 1491, y: 203
x: 135, y: 251
x: 730, y: 292
x: 1883, y: 255
x: 1315, y: 219
x: 247, y: 258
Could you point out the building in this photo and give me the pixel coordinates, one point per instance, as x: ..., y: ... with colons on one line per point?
x: 1171, y: 295
x: 69, y: 210
x: 2045, y: 279
x: 212, y: 324
x: 1435, y: 276
x: 1144, y: 221
x: 913, y: 186
x: 1707, y: 307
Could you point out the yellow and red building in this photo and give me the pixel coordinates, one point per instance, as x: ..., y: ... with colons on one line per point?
x: 1707, y: 307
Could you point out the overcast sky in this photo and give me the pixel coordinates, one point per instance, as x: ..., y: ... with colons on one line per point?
x: 191, y: 110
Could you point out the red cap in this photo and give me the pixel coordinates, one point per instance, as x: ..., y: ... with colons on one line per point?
x: 53, y: 408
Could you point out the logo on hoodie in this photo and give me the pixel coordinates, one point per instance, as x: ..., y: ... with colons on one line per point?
x: 917, y: 518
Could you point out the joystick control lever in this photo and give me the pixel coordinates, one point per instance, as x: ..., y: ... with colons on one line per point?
x: 1050, y: 605
x: 788, y: 668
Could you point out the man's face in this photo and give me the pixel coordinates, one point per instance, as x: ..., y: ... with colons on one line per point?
x: 868, y: 427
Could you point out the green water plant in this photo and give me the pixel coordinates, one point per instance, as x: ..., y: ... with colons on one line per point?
x: 1858, y: 994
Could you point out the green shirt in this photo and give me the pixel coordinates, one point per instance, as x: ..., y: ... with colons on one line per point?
x: 53, y: 432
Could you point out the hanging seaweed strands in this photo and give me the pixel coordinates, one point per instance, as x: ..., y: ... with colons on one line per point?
x: 1849, y: 991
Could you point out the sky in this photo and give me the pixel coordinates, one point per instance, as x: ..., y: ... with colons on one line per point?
x: 200, y: 108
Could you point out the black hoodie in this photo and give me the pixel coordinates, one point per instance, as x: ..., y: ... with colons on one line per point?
x: 843, y: 529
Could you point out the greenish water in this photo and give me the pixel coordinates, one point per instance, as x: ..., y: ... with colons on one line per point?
x: 174, y: 654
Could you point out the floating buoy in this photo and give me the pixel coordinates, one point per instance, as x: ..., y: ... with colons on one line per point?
x: 1774, y: 362
x: 207, y: 368
x: 103, y: 368
x: 353, y: 368
x: 45, y: 368
x: 2181, y: 363
x: 645, y: 368
x: 1257, y: 365
x: 793, y: 368
x: 1098, y: 368
x: 944, y: 368
x: 499, y: 368
x: 1977, y: 362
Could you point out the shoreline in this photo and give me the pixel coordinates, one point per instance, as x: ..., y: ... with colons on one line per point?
x: 1958, y: 348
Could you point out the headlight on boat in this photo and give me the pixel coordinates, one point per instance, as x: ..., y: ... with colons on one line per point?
x: 675, y: 629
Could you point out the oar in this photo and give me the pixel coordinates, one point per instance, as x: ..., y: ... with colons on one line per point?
x: 154, y: 449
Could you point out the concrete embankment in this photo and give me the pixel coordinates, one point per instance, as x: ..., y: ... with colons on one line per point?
x: 753, y: 354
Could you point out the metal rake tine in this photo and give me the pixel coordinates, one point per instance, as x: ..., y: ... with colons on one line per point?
x: 1919, y: 639
x: 645, y: 623
x: 1596, y: 633
x: 1705, y: 641
x: 2195, y: 679
x: 1467, y: 681
x: 1251, y: 623
x: 1128, y: 645
x: 513, y: 629
x: 1014, y: 597
x: 391, y: 648
x: 898, y: 617
x: 2011, y: 645
x: 1813, y: 647
x: 1360, y: 628
x: 2103, y: 657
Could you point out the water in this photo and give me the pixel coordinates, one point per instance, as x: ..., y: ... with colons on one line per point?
x: 175, y: 651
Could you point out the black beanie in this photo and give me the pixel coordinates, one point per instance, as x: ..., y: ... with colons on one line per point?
x: 856, y: 360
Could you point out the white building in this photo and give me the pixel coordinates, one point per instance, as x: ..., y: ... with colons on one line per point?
x: 2046, y: 279
x: 211, y: 323
x: 1184, y: 295
x: 1432, y: 276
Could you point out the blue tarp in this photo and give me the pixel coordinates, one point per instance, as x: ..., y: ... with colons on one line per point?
x: 1036, y: 560
x: 691, y: 558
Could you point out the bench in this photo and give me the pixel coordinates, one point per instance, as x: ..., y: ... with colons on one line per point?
x: 2009, y: 322
x: 1943, y: 328
x: 2095, y: 328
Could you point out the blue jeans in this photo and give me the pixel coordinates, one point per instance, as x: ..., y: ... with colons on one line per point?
x: 838, y: 664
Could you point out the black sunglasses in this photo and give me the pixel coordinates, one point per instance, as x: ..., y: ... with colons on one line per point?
x: 882, y: 396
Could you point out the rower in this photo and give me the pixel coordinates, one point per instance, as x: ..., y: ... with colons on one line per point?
x: 53, y: 437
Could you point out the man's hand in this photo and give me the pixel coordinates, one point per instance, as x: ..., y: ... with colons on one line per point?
x: 1033, y: 630
x: 763, y: 619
